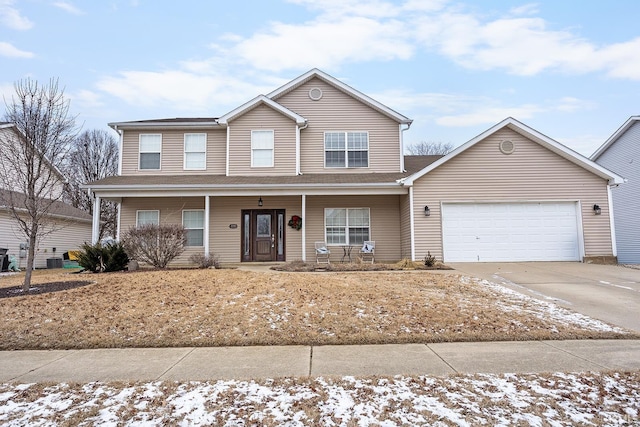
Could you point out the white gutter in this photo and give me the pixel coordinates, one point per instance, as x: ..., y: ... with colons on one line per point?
x: 612, y: 225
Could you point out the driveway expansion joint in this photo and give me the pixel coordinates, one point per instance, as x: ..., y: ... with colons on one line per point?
x: 577, y: 356
x: 159, y: 377
x: 443, y: 361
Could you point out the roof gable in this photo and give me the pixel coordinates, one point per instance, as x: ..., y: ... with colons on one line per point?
x: 315, y: 73
x: 259, y: 100
x: 532, y: 135
x: 613, y: 138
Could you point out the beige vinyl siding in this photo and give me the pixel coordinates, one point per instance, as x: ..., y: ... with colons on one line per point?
x: 69, y: 236
x: 532, y: 173
x: 172, y: 154
x: 405, y: 226
x: 384, y: 223
x: 262, y: 118
x: 337, y: 111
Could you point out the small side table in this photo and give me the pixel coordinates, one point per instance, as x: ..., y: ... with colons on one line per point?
x: 346, y: 252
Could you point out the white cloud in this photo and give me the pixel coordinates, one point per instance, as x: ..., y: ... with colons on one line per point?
x: 10, y: 51
x: 68, y: 7
x: 12, y: 18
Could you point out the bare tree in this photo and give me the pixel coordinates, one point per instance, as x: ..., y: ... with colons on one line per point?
x: 424, y: 148
x: 93, y: 156
x: 29, y: 162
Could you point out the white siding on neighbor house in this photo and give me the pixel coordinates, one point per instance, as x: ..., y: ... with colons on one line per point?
x: 172, y: 153
x: 337, y: 111
x: 70, y: 236
x: 531, y: 173
x: 623, y: 158
x: 262, y: 118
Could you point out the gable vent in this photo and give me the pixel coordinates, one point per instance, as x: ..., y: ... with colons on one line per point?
x: 507, y: 147
x: 315, y: 94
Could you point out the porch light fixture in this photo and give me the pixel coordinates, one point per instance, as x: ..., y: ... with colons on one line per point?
x: 260, y: 202
x: 427, y: 211
x: 597, y: 210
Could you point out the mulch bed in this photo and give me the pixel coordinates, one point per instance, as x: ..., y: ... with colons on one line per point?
x: 42, y: 288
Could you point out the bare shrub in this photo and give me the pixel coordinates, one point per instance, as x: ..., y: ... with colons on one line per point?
x: 155, y: 244
x: 429, y: 260
x: 205, y: 261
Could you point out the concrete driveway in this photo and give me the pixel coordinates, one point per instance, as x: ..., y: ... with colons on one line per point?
x: 606, y: 292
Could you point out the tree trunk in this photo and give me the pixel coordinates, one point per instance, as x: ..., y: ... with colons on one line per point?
x: 31, y: 258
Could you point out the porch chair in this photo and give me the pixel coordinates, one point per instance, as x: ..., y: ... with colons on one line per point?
x: 367, y: 251
x: 322, y: 253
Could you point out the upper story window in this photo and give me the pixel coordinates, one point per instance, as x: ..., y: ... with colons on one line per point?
x: 261, y: 148
x: 147, y: 217
x: 195, y: 151
x: 346, y: 149
x: 193, y: 222
x: 150, y: 150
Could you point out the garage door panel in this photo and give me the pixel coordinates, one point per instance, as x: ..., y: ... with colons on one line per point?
x: 510, y: 232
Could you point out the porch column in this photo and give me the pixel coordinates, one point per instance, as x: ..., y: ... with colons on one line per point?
x: 412, y: 225
x: 119, y: 206
x: 206, y: 226
x: 95, y: 228
x: 304, y: 228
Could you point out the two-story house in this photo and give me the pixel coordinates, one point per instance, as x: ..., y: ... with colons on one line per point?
x: 319, y: 150
x: 64, y: 228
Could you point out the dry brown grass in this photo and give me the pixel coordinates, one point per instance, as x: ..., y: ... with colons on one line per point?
x: 233, y: 307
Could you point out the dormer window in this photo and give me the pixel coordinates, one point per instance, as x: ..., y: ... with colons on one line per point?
x: 346, y: 149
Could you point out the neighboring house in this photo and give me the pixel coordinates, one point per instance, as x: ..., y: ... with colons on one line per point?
x: 621, y: 153
x: 71, y: 226
x: 320, y: 150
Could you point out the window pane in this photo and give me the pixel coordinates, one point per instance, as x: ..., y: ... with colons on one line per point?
x: 357, y: 141
x: 195, y: 142
x: 334, y: 141
x: 358, y: 217
x: 149, y: 160
x: 194, y: 161
x: 334, y: 159
x: 336, y: 217
x: 150, y: 143
x: 262, y: 139
x: 336, y: 236
x: 195, y: 238
x: 193, y: 219
x: 262, y: 158
x: 147, y: 217
x: 263, y: 225
x: 358, y: 235
x: 358, y: 159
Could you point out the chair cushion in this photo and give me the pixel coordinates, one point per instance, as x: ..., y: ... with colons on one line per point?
x: 366, y: 248
x: 322, y: 250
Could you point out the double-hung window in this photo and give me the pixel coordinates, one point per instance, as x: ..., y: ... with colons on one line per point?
x: 193, y: 222
x: 195, y: 151
x: 150, y: 150
x: 346, y: 149
x: 147, y: 217
x: 261, y: 148
x: 349, y: 226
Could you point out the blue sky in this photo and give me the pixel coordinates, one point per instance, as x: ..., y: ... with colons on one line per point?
x: 570, y: 69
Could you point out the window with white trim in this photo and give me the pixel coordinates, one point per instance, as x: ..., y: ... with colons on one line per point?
x: 195, y: 151
x: 261, y: 148
x: 347, y: 226
x: 150, y: 150
x: 346, y: 149
x: 147, y: 217
x: 193, y: 222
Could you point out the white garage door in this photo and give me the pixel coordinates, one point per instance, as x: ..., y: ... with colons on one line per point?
x: 489, y: 232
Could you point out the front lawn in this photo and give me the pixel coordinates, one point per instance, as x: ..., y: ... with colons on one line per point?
x: 233, y: 307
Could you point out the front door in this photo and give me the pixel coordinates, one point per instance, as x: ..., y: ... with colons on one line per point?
x: 263, y: 235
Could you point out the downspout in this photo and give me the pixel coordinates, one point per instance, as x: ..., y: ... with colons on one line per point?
x: 298, y: 129
x: 120, y: 148
x: 227, y: 159
x: 612, y: 225
x: 412, y: 225
x: 402, y: 145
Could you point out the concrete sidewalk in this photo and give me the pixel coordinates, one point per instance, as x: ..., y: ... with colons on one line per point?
x: 195, y: 363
